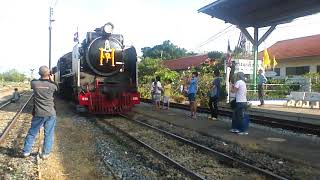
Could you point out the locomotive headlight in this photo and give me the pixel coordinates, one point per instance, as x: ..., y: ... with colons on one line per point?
x: 108, y: 28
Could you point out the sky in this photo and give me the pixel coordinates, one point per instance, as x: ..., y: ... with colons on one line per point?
x: 143, y: 23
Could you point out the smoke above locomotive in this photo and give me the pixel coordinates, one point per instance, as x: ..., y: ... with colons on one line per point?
x: 100, y: 70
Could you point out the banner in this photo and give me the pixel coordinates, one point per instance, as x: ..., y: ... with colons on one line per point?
x: 246, y: 65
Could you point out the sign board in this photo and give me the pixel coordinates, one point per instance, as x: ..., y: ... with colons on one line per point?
x: 246, y: 65
x: 270, y: 73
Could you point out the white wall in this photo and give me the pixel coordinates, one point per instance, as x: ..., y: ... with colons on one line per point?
x: 312, y: 62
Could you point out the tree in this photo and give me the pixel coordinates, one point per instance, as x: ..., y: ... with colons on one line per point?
x: 148, y: 70
x: 165, y: 51
x: 215, y: 55
x: 13, y: 75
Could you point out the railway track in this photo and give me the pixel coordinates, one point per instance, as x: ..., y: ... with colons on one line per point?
x: 7, y: 124
x: 257, y: 118
x: 193, y: 159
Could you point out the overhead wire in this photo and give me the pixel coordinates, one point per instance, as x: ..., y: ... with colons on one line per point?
x: 215, y: 36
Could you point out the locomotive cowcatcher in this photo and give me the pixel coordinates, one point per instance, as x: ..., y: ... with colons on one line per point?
x: 100, y: 74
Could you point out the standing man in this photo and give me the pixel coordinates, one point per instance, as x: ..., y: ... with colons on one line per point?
x: 261, y: 81
x: 215, y: 95
x: 239, y: 125
x: 44, y: 113
x: 192, y: 91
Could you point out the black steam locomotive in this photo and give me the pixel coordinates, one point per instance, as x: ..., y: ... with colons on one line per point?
x: 100, y: 74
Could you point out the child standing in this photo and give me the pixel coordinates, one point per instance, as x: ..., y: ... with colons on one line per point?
x: 167, y: 94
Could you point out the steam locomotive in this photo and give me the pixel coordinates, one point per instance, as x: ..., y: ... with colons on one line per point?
x: 100, y: 74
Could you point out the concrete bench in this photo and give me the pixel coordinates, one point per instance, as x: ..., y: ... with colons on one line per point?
x: 304, y: 100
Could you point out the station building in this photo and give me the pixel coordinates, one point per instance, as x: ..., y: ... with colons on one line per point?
x: 296, y: 57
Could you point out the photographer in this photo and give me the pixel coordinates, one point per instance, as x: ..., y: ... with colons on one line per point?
x: 44, y: 113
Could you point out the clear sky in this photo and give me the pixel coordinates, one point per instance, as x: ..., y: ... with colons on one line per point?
x: 24, y: 27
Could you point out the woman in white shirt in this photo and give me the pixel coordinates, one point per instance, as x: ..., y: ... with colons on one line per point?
x: 157, y: 89
x: 240, y: 89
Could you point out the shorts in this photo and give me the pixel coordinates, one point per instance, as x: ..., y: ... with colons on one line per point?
x: 166, y: 99
x: 192, y: 97
x: 156, y: 97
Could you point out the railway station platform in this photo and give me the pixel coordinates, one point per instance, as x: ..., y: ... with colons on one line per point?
x: 310, y: 116
x: 298, y: 147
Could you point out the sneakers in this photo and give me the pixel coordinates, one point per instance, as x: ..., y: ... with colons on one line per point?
x: 234, y: 130
x: 44, y: 156
x: 243, y: 133
x: 25, y: 154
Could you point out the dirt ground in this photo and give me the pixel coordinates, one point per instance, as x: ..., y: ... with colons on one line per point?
x: 74, y: 154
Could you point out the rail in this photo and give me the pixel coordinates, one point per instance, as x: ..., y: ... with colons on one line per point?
x: 158, y: 153
x: 208, y: 150
x: 7, y: 102
x: 13, y: 121
x: 259, y: 118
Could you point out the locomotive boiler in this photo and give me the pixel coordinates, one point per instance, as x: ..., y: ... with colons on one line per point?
x: 100, y: 74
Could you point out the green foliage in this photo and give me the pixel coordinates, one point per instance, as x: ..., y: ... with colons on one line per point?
x: 215, y: 55
x: 165, y: 51
x: 238, y: 50
x: 315, y: 81
x: 148, y: 70
x: 205, y: 82
x: 12, y: 75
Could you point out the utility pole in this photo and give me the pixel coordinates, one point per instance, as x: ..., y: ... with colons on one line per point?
x: 31, y: 75
x: 50, y: 27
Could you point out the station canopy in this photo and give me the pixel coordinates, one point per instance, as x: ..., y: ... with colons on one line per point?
x: 260, y: 13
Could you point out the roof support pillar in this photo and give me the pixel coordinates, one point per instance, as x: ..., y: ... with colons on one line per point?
x: 264, y: 37
x: 246, y: 33
x: 255, y: 61
x: 256, y: 42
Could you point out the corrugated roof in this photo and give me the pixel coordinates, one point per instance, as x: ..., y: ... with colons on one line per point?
x: 295, y: 48
x: 260, y: 13
x: 185, y: 62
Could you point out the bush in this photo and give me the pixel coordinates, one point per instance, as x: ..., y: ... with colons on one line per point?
x: 179, y: 98
x: 12, y: 75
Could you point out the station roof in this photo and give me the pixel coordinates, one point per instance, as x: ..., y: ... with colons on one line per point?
x: 308, y: 46
x: 260, y: 13
x: 185, y: 62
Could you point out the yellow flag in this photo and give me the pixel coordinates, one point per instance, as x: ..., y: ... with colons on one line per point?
x: 266, y: 60
x: 274, y: 62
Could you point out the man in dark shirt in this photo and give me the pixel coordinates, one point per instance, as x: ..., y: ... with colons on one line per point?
x: 43, y: 112
x: 261, y: 81
x: 215, y: 95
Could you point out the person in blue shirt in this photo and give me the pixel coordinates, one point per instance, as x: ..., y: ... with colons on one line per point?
x: 215, y: 95
x: 192, y: 91
x: 261, y: 81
